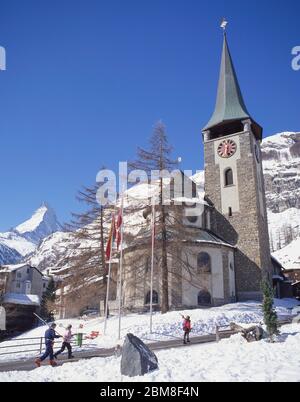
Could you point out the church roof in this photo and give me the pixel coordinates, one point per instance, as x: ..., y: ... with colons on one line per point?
x: 206, y: 236
x: 230, y: 105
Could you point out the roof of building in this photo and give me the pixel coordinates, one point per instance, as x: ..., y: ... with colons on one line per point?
x: 230, y: 105
x: 11, y: 268
x: 206, y: 236
x: 15, y: 267
x: 24, y: 299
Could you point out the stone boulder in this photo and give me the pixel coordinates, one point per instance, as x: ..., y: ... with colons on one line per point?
x: 137, y: 358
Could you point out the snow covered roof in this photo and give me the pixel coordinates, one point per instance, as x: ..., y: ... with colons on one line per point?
x: 24, y: 299
x: 11, y: 268
x: 205, y: 236
x: 15, y: 267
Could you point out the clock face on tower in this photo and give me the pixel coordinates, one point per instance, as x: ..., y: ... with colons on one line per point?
x: 227, y: 148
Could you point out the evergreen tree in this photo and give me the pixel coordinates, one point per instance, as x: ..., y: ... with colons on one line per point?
x: 270, y: 315
x: 48, y: 301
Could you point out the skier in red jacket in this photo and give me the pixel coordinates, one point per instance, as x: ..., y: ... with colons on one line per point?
x: 187, y: 327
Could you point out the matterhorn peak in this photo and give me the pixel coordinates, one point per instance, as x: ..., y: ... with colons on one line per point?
x: 41, y: 224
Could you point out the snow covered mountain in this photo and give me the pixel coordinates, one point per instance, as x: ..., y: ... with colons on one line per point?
x: 281, y: 160
x: 42, y: 224
x: 9, y: 255
x: 25, y: 238
x: 54, y: 252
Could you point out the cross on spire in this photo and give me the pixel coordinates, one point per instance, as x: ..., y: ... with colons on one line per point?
x: 224, y: 24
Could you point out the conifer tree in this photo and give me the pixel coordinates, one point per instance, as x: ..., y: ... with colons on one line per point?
x: 270, y: 315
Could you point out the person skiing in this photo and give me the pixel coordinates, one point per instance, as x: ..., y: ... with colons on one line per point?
x: 66, y: 343
x: 186, y: 328
x: 50, y: 335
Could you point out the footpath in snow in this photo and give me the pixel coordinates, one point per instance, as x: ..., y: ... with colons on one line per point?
x: 229, y: 360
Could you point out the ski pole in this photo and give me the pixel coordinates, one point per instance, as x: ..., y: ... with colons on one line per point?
x: 45, y: 322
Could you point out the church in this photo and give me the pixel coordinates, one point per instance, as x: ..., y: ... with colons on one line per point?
x: 226, y: 254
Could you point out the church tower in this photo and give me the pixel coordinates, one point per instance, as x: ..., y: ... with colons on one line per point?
x: 234, y: 181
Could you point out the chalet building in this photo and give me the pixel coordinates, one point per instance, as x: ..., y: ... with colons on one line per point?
x: 21, y: 290
x: 282, y: 284
x: 293, y: 274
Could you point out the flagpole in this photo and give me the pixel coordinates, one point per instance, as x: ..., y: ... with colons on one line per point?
x: 108, y: 281
x: 111, y: 236
x: 121, y: 267
x: 152, y: 265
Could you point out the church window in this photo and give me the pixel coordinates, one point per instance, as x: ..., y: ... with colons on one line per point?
x: 228, y: 177
x: 154, y: 297
x: 192, y: 219
x: 203, y: 263
x: 204, y: 298
x: 230, y: 211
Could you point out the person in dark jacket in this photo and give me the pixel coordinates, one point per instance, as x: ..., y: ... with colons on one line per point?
x: 50, y: 335
x: 187, y: 327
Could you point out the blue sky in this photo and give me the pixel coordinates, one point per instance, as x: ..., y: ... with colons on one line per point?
x: 86, y: 80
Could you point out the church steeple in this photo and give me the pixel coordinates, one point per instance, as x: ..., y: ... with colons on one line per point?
x: 230, y: 110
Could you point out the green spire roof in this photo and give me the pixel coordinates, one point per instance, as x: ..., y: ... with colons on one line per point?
x: 230, y: 105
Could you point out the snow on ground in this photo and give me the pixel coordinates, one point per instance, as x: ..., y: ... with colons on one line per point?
x: 165, y: 327
x: 231, y: 360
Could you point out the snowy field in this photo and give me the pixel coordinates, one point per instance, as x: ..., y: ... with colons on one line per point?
x: 165, y: 327
x: 229, y: 360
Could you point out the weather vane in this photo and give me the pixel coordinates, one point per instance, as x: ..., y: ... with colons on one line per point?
x: 224, y: 23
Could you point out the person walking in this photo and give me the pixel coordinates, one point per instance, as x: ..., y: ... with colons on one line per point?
x: 66, y: 343
x: 187, y: 327
x: 50, y: 336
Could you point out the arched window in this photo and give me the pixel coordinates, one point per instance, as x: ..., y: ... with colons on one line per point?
x: 154, y: 297
x: 228, y: 177
x: 192, y: 219
x: 204, y: 298
x: 203, y: 263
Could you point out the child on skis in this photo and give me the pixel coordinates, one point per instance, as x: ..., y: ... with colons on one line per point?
x: 50, y: 335
x: 187, y: 327
x: 66, y: 343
